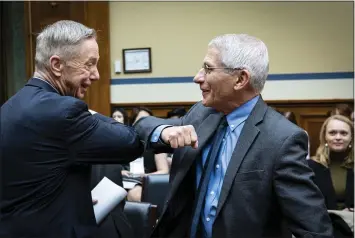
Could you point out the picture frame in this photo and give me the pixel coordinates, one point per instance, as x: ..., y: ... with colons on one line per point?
x: 137, y: 60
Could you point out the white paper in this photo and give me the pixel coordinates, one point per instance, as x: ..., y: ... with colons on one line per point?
x: 137, y: 166
x: 108, y: 196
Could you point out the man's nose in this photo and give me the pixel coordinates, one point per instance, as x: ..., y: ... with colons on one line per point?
x: 200, y: 76
x: 95, y: 75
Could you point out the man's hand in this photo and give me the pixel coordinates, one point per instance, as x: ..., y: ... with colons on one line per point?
x: 180, y: 136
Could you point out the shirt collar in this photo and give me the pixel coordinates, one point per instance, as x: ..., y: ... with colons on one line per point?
x: 240, y: 114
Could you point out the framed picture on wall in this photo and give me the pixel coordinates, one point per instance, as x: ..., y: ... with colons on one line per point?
x: 137, y: 60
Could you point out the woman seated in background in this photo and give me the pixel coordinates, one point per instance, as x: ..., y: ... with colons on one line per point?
x: 333, y: 163
x: 120, y: 115
x: 152, y: 163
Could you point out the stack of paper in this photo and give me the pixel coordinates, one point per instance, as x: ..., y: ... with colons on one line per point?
x: 108, y: 196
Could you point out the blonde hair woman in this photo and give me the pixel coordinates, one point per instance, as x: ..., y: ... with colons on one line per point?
x: 334, y: 161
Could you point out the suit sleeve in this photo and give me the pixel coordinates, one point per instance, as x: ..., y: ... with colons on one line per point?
x: 98, y: 139
x: 300, y: 199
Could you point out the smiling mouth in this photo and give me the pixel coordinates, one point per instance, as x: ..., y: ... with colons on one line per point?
x: 85, y: 87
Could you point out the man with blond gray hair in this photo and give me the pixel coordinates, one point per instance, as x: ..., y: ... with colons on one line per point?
x: 245, y: 173
x: 49, y: 140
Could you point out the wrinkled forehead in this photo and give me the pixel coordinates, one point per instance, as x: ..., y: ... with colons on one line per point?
x: 88, y: 48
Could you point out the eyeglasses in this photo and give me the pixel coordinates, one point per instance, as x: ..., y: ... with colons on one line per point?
x: 207, y: 69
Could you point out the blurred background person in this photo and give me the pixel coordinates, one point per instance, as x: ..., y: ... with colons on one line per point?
x: 342, y: 109
x: 120, y: 115
x: 333, y: 163
x: 138, y: 113
x: 150, y: 163
x: 290, y: 116
x: 176, y: 113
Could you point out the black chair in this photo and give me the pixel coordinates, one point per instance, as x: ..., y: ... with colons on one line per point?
x: 155, y: 189
x: 142, y: 217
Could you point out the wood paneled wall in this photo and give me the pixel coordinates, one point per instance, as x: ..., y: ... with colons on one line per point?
x: 310, y: 114
x: 92, y: 14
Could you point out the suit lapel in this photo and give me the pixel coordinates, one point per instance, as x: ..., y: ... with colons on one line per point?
x: 204, y: 132
x: 245, y: 141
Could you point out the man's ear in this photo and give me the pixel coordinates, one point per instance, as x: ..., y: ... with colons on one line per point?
x: 242, y: 79
x: 56, y: 65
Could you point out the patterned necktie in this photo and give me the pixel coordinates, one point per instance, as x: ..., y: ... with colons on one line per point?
x: 207, y: 169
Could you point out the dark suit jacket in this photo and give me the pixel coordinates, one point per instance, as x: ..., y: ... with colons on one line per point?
x: 324, y: 181
x: 48, y: 143
x: 267, y: 180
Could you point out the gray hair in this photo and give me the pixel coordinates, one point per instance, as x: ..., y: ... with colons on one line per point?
x: 244, y: 51
x: 60, y: 38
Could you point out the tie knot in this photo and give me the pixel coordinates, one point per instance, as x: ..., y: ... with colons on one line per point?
x: 223, y: 123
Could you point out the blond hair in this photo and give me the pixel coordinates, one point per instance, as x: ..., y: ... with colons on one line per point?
x: 322, y: 154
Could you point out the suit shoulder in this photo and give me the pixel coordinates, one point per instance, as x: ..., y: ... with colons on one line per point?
x: 279, y: 129
x: 54, y: 107
x: 281, y: 124
x: 60, y: 106
x: 73, y: 106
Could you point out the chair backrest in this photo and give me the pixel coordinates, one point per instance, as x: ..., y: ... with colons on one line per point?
x: 142, y: 217
x: 155, y: 189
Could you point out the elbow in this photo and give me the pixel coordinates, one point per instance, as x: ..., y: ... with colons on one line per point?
x: 137, y: 147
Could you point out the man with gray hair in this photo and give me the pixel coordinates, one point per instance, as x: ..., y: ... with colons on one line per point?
x: 49, y: 140
x: 245, y: 174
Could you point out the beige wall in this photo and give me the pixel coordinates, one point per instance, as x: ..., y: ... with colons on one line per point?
x: 302, y: 37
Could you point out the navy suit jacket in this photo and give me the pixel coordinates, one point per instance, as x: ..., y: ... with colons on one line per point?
x: 48, y: 143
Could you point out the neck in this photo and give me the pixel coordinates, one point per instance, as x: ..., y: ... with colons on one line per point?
x: 231, y: 105
x: 51, y: 80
